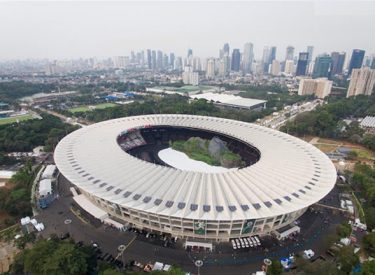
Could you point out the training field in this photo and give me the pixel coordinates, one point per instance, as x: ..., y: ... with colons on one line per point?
x: 9, y: 120
x: 86, y: 108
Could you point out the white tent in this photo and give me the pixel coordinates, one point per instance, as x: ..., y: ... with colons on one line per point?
x: 158, y: 266
x: 49, y: 172
x: 45, y: 187
x: 284, y: 234
x: 91, y: 208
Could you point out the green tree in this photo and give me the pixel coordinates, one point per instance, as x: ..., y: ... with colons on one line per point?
x: 347, y: 259
x: 368, y: 268
x: 368, y: 243
x: 369, y: 141
x: 275, y: 268
x: 111, y: 271
x: 343, y: 230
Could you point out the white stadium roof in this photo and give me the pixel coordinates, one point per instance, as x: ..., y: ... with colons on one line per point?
x: 290, y: 174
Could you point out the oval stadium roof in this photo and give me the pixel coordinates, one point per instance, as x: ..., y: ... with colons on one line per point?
x: 290, y: 175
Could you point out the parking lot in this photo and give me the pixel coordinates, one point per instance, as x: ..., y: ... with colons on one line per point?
x: 148, y: 248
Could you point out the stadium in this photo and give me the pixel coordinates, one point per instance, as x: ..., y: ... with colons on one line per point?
x: 115, y: 165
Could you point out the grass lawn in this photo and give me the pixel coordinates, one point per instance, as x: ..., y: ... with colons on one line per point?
x: 363, y: 153
x: 86, y: 108
x: 329, y: 141
x: 9, y: 120
x: 326, y: 148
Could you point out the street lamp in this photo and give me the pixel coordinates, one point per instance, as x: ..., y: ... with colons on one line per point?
x: 198, y: 264
x: 267, y: 262
x: 68, y: 222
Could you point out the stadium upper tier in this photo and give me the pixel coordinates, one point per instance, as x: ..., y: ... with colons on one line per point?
x: 290, y: 174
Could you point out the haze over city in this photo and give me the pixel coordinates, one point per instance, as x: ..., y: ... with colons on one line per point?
x: 69, y: 30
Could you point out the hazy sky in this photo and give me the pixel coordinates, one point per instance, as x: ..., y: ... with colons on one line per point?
x: 85, y: 29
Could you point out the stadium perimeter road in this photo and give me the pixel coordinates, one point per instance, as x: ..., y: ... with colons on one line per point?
x: 223, y: 261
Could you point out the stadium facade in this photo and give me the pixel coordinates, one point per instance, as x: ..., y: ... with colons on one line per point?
x: 282, y: 177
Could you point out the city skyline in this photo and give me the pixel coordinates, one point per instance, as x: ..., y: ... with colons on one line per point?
x: 62, y: 30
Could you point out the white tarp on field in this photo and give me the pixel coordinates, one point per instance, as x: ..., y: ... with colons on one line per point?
x: 181, y: 161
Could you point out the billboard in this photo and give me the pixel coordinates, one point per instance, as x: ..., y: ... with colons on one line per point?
x: 248, y: 226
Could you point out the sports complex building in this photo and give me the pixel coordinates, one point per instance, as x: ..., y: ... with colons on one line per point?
x: 115, y: 165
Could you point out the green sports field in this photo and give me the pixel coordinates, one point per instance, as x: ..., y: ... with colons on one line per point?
x: 9, y: 120
x: 86, y: 108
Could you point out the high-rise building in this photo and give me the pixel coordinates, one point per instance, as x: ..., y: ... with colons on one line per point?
x: 159, y: 60
x: 149, y: 60
x: 272, y: 56
x: 120, y: 62
x: 224, y: 65
x: 226, y: 49
x: 266, y: 59
x: 322, y: 66
x: 171, y: 60
x: 356, y: 60
x: 275, y: 67
x: 302, y: 63
x: 373, y: 63
x: 210, y: 70
x: 178, y: 64
x: 361, y: 82
x: 153, y: 55
x: 310, y: 51
x: 236, y: 60
x: 165, y: 61
x: 289, y: 67
x: 289, y: 53
x: 338, y: 61
x: 248, y: 57
x: 190, y: 53
x: 320, y: 87
x: 190, y: 77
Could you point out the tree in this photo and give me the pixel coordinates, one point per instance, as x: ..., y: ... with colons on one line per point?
x: 111, y: 271
x: 347, y: 259
x: 352, y: 155
x: 368, y: 242
x: 370, y: 217
x: 369, y: 141
x: 275, y: 268
x: 368, y: 268
x: 53, y: 257
x: 343, y: 230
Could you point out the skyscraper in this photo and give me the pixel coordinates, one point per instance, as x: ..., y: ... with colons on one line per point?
x: 248, y: 57
x: 171, y: 60
x: 275, y: 68
x: 149, y: 60
x: 302, y: 63
x: 272, y: 56
x: 210, y: 70
x: 189, y: 53
x: 265, y: 59
x: 289, y: 53
x: 356, y: 60
x: 236, y: 60
x: 159, y: 60
x: 361, y: 82
x: 153, y: 55
x: 322, y: 66
x: 310, y: 51
x: 337, y: 65
x: 226, y: 49
x: 289, y: 67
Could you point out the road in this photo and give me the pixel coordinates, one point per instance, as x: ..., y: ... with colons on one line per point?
x: 278, y: 119
x: 69, y: 120
x: 224, y: 260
